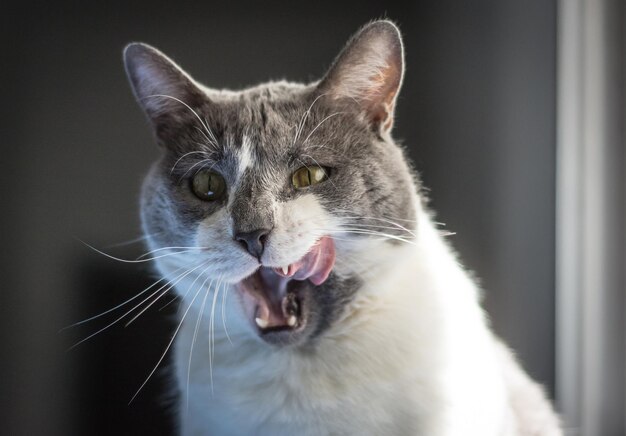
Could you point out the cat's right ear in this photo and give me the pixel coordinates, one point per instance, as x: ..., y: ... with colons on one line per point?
x: 165, y: 92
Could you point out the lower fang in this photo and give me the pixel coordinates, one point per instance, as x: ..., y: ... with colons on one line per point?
x: 261, y: 323
x: 292, y: 320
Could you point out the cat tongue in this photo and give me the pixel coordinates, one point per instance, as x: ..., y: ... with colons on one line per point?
x: 316, y: 265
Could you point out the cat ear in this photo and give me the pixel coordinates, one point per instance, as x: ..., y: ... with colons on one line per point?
x: 369, y: 71
x: 164, y: 91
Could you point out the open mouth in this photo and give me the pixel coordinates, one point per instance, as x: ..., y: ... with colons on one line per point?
x: 271, y: 295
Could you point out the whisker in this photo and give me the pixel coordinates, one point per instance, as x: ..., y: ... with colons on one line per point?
x: 224, y: 295
x: 201, y: 162
x: 388, y: 221
x: 210, y: 132
x: 202, y: 123
x: 166, y: 348
x: 318, y: 146
x: 371, y: 217
x: 169, y: 248
x: 212, y: 336
x: 119, y: 305
x: 208, y: 140
x: 133, y: 241
x: 204, y: 153
x: 369, y: 226
x: 305, y: 115
x: 380, y: 218
x: 178, y: 278
x: 190, y: 286
x: 193, y: 339
x: 168, y: 289
x: 375, y: 226
x: 132, y: 260
x: 371, y: 233
x: 320, y: 123
x: 174, y: 298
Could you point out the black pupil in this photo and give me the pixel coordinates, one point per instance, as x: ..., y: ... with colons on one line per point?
x: 208, y: 187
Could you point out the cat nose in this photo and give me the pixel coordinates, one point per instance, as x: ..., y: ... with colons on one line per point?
x: 254, y: 241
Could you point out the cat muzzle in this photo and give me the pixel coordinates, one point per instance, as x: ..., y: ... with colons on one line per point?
x: 272, y: 296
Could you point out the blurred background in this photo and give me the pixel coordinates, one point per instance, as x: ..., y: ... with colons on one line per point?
x: 511, y: 111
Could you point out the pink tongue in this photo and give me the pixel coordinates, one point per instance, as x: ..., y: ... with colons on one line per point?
x: 317, y: 264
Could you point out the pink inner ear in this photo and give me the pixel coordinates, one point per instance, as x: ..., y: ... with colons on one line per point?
x: 379, y: 100
x: 369, y: 71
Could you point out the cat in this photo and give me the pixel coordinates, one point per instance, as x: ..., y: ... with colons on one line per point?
x: 317, y: 295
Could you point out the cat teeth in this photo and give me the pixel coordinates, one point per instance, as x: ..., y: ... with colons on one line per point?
x: 262, y: 323
x: 285, y: 270
x: 292, y: 320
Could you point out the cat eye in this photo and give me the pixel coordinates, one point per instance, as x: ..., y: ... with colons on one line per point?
x: 309, y: 175
x: 208, y: 185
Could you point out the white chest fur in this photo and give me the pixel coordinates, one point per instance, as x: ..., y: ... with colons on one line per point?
x: 412, y: 356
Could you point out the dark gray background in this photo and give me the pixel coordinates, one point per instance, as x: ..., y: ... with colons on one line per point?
x: 477, y: 114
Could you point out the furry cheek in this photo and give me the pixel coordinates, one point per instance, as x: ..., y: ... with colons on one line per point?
x: 298, y: 225
x: 228, y: 261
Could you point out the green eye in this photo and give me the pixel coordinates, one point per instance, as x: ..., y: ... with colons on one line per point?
x: 208, y: 186
x: 307, y: 176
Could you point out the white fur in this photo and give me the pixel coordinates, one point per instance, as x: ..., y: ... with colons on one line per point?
x: 411, y: 356
x: 245, y: 156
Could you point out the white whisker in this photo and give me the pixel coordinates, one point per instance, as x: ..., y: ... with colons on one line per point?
x: 370, y: 217
x: 193, y: 339
x: 166, y: 348
x: 212, y: 335
x: 374, y: 226
x: 210, y: 132
x: 209, y: 142
x: 200, y: 162
x: 204, y: 153
x: 133, y: 260
x: 175, y: 280
x: 168, y: 289
x: 169, y: 248
x: 224, y: 295
x: 202, y: 123
x: 119, y: 305
x: 386, y: 220
x: 320, y: 123
x: 371, y: 226
x: 305, y: 115
x: 358, y: 231
x: 133, y: 241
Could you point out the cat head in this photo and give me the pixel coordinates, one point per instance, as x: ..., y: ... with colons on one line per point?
x: 290, y: 194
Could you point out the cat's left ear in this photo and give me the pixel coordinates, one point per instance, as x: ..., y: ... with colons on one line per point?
x: 369, y: 71
x: 164, y: 91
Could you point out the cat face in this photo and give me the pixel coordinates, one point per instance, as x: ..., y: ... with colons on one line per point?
x: 290, y: 194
